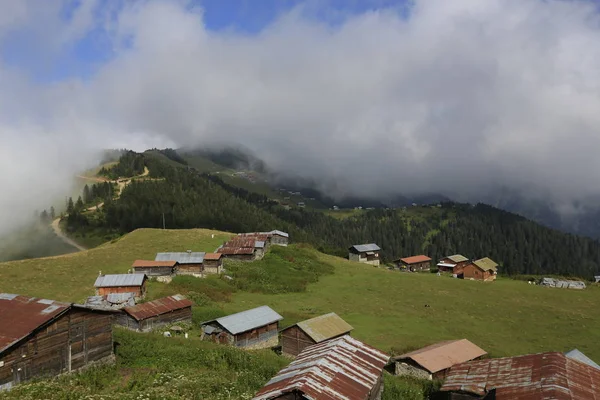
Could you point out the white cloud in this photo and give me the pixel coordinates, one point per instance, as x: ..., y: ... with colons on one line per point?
x: 460, y: 97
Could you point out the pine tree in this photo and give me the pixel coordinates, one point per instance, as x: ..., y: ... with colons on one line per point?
x: 70, y: 205
x: 52, y: 212
x: 87, y: 198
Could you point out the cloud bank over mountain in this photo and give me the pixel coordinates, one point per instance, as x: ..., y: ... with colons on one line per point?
x: 452, y: 97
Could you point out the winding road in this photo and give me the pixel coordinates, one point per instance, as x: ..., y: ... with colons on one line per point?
x: 121, y: 183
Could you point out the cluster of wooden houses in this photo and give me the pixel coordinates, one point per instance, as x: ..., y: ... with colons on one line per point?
x: 483, y: 269
x: 42, y: 338
x: 329, y: 364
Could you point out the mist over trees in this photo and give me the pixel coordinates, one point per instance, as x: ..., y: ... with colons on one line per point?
x: 183, y: 198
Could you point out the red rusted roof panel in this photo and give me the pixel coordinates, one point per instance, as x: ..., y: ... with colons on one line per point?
x: 533, y: 376
x: 152, y: 263
x: 415, y: 259
x: 236, y: 250
x: 338, y: 369
x: 158, y: 307
x: 255, y: 236
x: 20, y: 315
x: 212, y: 256
x: 246, y: 242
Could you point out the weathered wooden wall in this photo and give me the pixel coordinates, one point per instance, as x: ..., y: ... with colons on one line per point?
x: 139, y: 291
x: 262, y: 337
x: 473, y: 272
x: 147, y: 325
x: 213, y: 266
x: 154, y: 271
x: 294, y: 340
x: 189, y: 269
x: 70, y: 342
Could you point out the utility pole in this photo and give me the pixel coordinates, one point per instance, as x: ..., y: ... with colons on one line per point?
x: 163, y: 220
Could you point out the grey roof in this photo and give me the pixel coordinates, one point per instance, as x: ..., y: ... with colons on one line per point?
x: 184, y: 257
x: 579, y: 356
x: 279, y: 233
x: 361, y: 248
x: 120, y: 280
x: 247, y: 320
x: 112, y: 301
x: 259, y: 244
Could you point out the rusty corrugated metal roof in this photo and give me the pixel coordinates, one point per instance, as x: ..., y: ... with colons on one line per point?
x: 440, y: 356
x: 20, y: 316
x: 324, y: 327
x: 253, y: 235
x: 532, y: 377
x: 236, y: 250
x: 246, y: 242
x: 152, y: 263
x: 415, y: 259
x: 158, y: 307
x: 212, y: 256
x: 339, y: 369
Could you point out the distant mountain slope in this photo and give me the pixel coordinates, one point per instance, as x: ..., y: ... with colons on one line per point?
x: 183, y: 198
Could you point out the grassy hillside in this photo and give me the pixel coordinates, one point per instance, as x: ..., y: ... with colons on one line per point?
x: 71, y: 277
x: 386, y: 308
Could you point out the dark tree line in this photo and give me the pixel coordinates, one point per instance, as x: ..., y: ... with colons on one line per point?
x: 130, y: 164
x: 186, y: 199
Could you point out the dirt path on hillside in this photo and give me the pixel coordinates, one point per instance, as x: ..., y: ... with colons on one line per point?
x: 121, y: 183
x: 63, y: 237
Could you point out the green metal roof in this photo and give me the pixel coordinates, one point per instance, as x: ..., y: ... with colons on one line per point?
x: 324, y: 327
x: 486, y: 264
x: 457, y: 258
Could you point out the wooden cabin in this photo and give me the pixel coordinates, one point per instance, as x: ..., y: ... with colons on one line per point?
x: 483, y: 269
x: 414, y: 263
x: 299, y: 336
x: 246, y: 243
x: 434, y: 361
x: 238, y: 253
x: 364, y: 253
x: 188, y: 262
x: 453, y: 264
x: 121, y: 283
x: 148, y: 316
x: 341, y: 368
x: 252, y: 329
x: 154, y: 268
x: 213, y: 263
x: 42, y: 338
x: 274, y: 237
x: 279, y: 238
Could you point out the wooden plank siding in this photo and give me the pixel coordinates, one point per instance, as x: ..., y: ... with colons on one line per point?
x: 139, y: 291
x: 264, y: 336
x: 149, y: 324
x: 294, y: 340
x: 472, y: 271
x: 154, y: 271
x: 70, y: 342
x: 189, y: 269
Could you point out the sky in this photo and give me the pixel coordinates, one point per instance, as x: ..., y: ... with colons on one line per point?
x: 368, y: 98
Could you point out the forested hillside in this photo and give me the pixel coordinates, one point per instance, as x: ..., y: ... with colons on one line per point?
x: 183, y: 198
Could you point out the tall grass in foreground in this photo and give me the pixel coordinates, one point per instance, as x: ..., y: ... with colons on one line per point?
x: 151, y: 367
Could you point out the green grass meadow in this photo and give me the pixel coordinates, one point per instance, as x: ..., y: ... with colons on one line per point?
x: 386, y: 308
